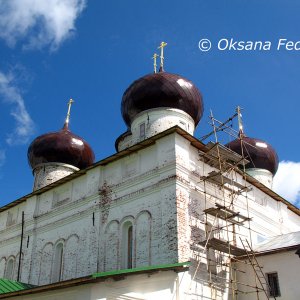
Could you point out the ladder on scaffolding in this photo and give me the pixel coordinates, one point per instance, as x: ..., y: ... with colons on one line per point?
x: 231, y: 218
x: 260, y: 276
x: 245, y: 250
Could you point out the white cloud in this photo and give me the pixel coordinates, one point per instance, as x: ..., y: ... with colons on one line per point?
x: 24, y: 124
x: 287, y: 181
x: 38, y: 23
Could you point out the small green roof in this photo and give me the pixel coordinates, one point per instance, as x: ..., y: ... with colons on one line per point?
x: 8, y: 286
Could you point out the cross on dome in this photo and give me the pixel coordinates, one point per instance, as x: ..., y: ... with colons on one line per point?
x: 66, y: 125
x: 161, y: 47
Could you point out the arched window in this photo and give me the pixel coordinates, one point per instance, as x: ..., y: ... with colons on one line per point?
x: 127, y: 245
x: 57, y: 270
x: 10, y: 266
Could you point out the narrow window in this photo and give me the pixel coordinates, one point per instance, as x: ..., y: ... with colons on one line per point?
x: 273, y: 284
x: 142, y: 131
x: 183, y: 124
x: 9, y: 274
x: 58, y: 263
x: 127, y: 245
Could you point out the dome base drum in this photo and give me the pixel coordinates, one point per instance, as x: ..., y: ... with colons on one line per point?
x: 45, y: 174
x: 153, y: 121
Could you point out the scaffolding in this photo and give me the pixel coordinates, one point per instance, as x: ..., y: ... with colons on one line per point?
x: 225, y: 247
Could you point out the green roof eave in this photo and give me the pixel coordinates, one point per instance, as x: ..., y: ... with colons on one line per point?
x: 8, y: 286
x: 140, y: 269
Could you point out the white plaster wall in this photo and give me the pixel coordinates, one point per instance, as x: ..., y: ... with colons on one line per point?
x: 156, y: 286
x: 149, y: 286
x: 161, y: 285
x: 87, y: 214
x: 286, y: 264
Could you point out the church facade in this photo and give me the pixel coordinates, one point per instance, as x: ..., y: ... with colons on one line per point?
x: 165, y: 217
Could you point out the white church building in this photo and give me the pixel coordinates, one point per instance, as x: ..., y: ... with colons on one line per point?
x: 165, y: 217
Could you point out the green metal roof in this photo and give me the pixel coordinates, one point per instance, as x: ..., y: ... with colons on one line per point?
x: 8, y: 286
x: 141, y: 269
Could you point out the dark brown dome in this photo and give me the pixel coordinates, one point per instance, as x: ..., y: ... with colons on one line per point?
x: 161, y: 90
x: 61, y: 147
x: 260, y: 154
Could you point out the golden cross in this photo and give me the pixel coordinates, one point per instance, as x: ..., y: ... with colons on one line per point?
x: 161, y: 47
x: 154, y: 61
x: 241, y: 129
x: 69, y: 110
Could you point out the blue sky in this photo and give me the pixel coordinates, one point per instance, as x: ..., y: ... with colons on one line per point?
x: 92, y: 50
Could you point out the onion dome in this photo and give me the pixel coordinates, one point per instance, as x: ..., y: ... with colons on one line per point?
x: 60, y: 147
x: 161, y: 89
x: 260, y: 154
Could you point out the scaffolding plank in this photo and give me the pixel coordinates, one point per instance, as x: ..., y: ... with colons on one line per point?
x: 226, y: 214
x: 216, y: 151
x: 223, y: 246
x: 232, y: 211
x: 219, y: 179
x: 225, y: 153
